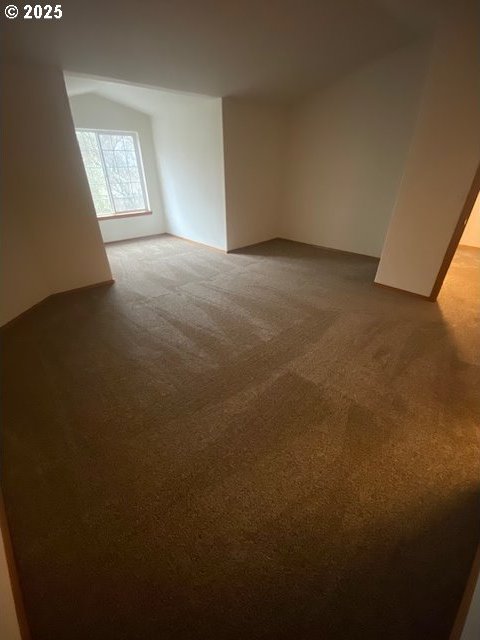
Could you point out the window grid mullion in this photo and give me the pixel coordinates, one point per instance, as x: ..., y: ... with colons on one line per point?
x: 107, y: 179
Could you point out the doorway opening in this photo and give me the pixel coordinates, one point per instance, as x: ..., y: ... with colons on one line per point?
x: 466, y: 236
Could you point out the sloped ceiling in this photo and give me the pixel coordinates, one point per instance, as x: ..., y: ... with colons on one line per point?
x: 275, y: 48
x: 147, y: 100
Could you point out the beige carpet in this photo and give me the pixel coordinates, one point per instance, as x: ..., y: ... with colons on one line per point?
x: 260, y: 445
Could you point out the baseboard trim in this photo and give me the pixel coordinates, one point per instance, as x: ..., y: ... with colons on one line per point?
x: 197, y: 242
x: 95, y: 285
x: 253, y: 244
x: 363, y: 255
x: 405, y: 292
x: 160, y: 235
x: 469, y: 246
x: 13, y: 574
x: 153, y: 235
x: 320, y: 246
x: 14, y: 320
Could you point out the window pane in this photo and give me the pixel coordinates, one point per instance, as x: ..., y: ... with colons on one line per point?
x: 123, y: 171
x: 114, y: 175
x: 131, y: 159
x: 137, y: 189
x: 92, y: 160
x: 138, y: 203
x: 106, y: 141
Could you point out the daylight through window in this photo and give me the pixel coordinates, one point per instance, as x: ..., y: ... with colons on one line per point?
x: 114, y: 169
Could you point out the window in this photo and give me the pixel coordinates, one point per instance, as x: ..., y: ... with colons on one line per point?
x: 114, y: 169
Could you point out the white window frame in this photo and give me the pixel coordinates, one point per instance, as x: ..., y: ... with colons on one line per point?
x: 141, y: 171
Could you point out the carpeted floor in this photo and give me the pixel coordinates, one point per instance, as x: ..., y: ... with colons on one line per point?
x: 260, y: 445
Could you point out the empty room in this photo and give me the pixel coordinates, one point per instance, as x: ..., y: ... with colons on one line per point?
x: 240, y: 320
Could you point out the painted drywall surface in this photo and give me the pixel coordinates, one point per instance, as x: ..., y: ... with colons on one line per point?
x: 188, y: 139
x: 9, y: 629
x: 348, y: 148
x: 92, y: 111
x: 23, y: 279
x: 443, y: 157
x: 255, y: 152
x: 189, y: 144
x: 50, y: 228
x: 471, y: 235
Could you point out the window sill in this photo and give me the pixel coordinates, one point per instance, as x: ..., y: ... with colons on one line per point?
x: 124, y: 214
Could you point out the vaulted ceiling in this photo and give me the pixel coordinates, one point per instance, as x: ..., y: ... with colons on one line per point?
x: 278, y: 48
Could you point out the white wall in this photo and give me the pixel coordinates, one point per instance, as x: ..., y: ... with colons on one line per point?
x: 23, y: 277
x: 471, y: 235
x: 443, y: 157
x: 349, y: 145
x: 188, y: 139
x: 50, y: 237
x: 93, y: 111
x: 255, y: 151
x: 189, y: 142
